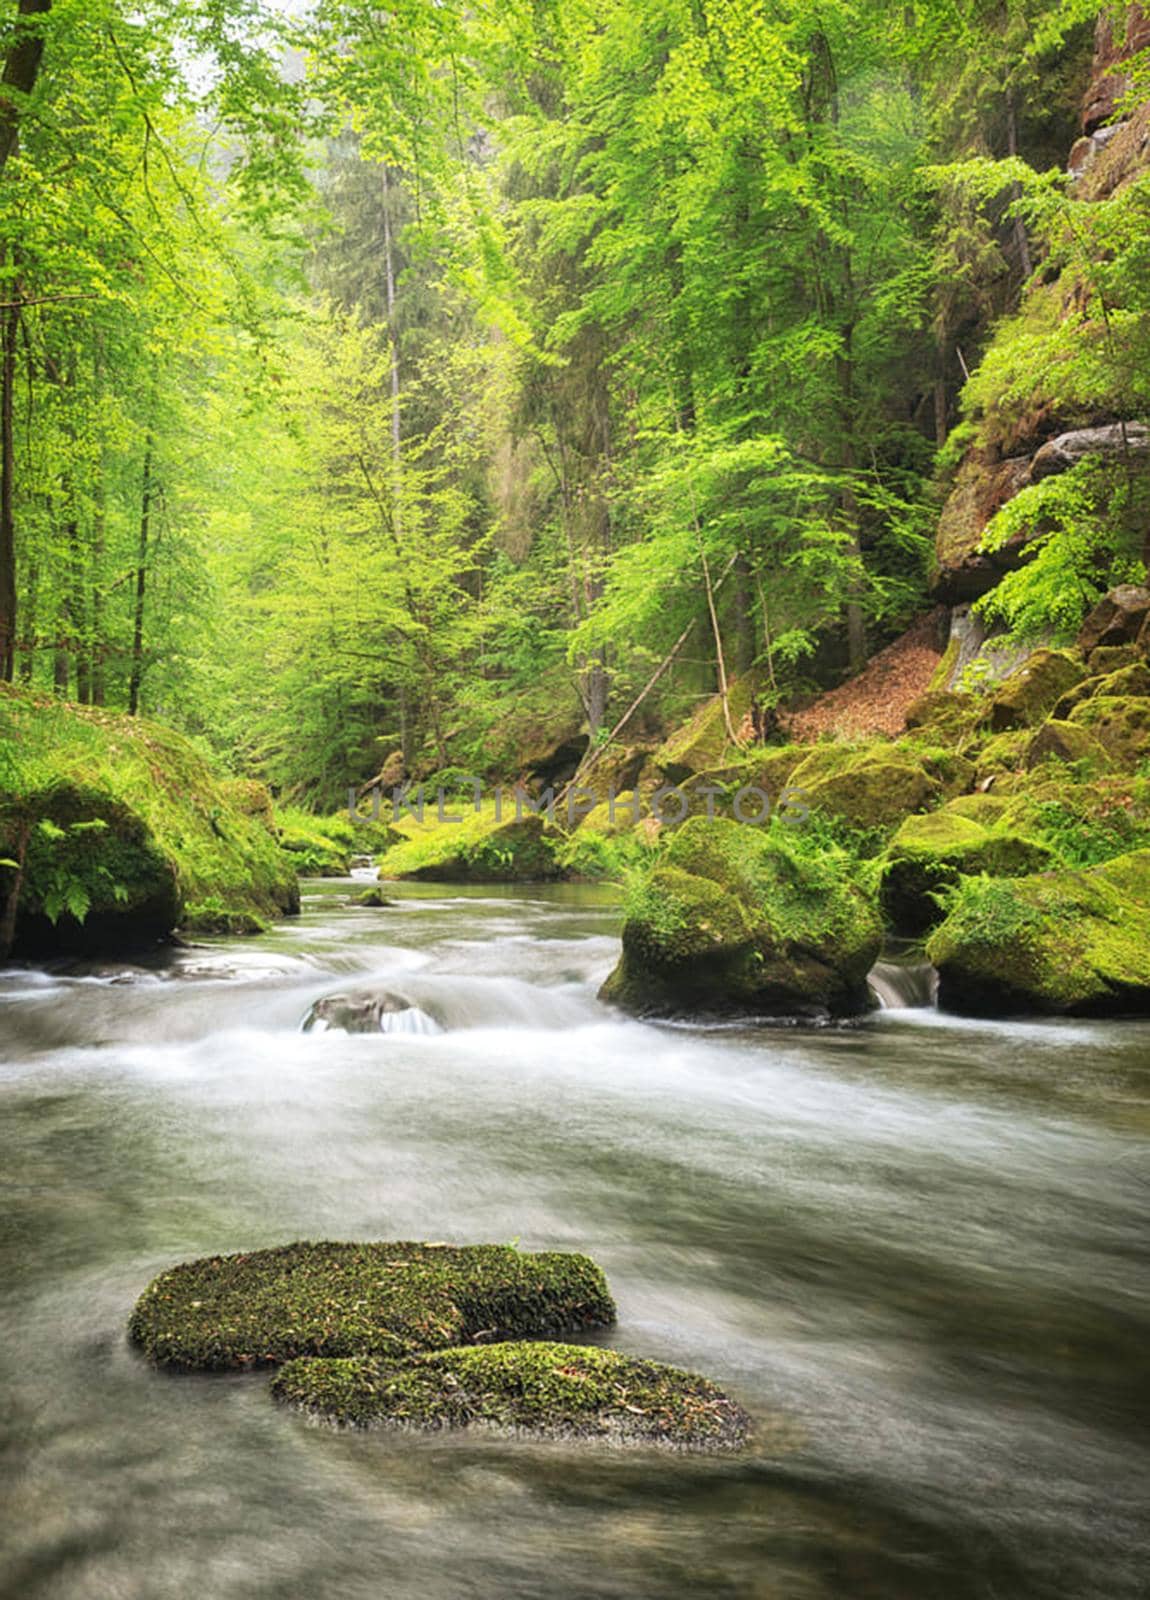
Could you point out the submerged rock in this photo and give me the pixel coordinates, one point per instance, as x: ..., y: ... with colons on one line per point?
x: 1061, y: 942
x: 271, y: 1306
x: 736, y: 919
x: 368, y: 1013
x: 547, y: 1391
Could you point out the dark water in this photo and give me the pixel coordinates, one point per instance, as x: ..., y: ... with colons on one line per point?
x: 915, y: 1249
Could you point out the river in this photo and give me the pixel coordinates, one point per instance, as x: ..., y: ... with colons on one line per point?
x: 915, y: 1249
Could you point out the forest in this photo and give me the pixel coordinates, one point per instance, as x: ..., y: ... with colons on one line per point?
x: 574, y: 799
x: 413, y: 379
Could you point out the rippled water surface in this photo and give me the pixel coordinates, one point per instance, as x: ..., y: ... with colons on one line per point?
x: 915, y: 1249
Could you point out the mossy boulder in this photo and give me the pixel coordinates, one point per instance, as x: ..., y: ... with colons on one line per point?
x: 1002, y: 753
x: 125, y: 832
x: 738, y: 919
x: 1121, y: 725
x: 270, y: 1306
x: 929, y: 854
x: 1030, y: 694
x: 874, y: 788
x: 984, y: 808
x: 481, y: 848
x: 1128, y: 680
x: 315, y: 853
x: 1110, y: 658
x: 1072, y: 942
x: 943, y: 712
x: 1065, y: 741
x: 702, y: 744
x: 543, y: 1390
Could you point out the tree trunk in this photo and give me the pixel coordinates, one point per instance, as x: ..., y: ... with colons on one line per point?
x: 99, y: 537
x: 1022, y: 244
x: 28, y: 646
x: 393, y: 341
x: 12, y: 903
x: 141, y: 583
x: 20, y: 72
x: 8, y: 334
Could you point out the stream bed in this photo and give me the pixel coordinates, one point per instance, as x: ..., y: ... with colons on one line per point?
x: 916, y: 1249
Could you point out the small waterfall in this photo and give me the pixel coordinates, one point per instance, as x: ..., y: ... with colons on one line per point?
x: 381, y: 1012
x: 907, y: 984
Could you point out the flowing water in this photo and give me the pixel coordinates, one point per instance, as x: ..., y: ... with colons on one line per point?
x: 914, y: 1248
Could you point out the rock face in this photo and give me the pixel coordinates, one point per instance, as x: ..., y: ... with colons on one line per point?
x: 1068, y: 449
x: 1058, y: 942
x: 1114, y: 44
x: 546, y: 1391
x: 271, y: 1306
x: 929, y: 854
x: 1117, y: 619
x: 735, y: 919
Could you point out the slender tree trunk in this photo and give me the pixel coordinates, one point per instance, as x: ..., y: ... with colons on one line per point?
x: 393, y: 341
x: 137, y: 676
x: 12, y: 903
x: 21, y: 70
x: 855, y: 616
x: 99, y: 538
x: 81, y: 641
x: 8, y: 332
x: 28, y: 646
x: 1022, y: 244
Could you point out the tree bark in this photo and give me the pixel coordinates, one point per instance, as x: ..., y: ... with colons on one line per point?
x: 137, y: 676
x: 21, y: 70
x: 8, y: 332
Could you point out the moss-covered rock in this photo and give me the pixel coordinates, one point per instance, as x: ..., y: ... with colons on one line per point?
x: 270, y: 1306
x: 702, y: 744
x: 1110, y: 658
x: 1120, y: 724
x: 124, y: 832
x: 929, y: 854
x: 1003, y: 753
x: 315, y: 853
x: 1059, y: 942
x: 1030, y: 694
x: 1065, y: 741
x: 985, y: 808
x: 944, y: 713
x: 481, y: 848
x: 874, y: 788
x: 1133, y: 679
x: 547, y: 1391
x: 737, y: 919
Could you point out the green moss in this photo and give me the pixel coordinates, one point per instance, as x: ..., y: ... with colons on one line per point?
x: 271, y: 1306
x: 944, y: 714
x: 874, y: 789
x: 984, y: 808
x: 1128, y: 680
x: 930, y: 854
x: 1121, y: 725
x: 944, y: 672
x: 737, y: 918
x: 128, y: 830
x: 1085, y: 823
x: 702, y: 743
x: 482, y: 848
x: 1064, y: 942
x: 1028, y: 696
x: 1068, y: 743
x: 554, y: 1391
